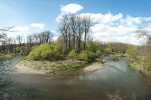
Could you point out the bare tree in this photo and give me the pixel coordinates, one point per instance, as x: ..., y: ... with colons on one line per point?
x: 64, y: 30
x: 87, y: 21
x: 46, y: 36
x: 30, y: 39
x: 19, y: 38
x: 142, y: 33
x: 146, y: 52
x: 72, y: 29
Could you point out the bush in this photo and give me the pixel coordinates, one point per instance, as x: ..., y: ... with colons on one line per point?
x: 132, y: 51
x: 44, y: 52
x: 33, y: 55
x: 83, y: 56
x: 73, y: 54
x: 108, y: 50
x: 98, y: 52
x: 88, y: 56
x: 91, y: 56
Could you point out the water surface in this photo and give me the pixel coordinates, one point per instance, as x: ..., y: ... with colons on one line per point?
x: 115, y: 78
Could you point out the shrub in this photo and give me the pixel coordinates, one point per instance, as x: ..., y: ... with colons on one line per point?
x: 98, y: 52
x: 73, y: 54
x: 83, y: 56
x: 33, y: 55
x: 91, y: 56
x: 132, y: 51
x: 44, y: 52
x: 108, y: 50
x: 88, y: 56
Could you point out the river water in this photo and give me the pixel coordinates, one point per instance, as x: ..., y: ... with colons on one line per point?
x: 115, y: 80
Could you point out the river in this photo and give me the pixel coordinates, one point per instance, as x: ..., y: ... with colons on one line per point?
x: 115, y: 80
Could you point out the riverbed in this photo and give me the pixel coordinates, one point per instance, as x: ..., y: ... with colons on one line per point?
x: 115, y: 80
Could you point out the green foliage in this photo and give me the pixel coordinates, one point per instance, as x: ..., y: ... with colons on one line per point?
x: 132, y: 51
x: 44, y: 52
x: 73, y: 54
x: 1, y: 50
x: 83, y: 56
x: 57, y: 46
x: 91, y: 46
x: 108, y: 50
x: 98, y: 52
x: 91, y: 56
x: 88, y: 56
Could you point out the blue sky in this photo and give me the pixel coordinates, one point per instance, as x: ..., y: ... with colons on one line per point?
x: 37, y: 15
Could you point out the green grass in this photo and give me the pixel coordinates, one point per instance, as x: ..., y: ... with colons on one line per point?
x: 9, y: 56
x: 139, y: 63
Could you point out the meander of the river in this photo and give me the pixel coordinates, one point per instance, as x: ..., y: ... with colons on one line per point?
x: 116, y: 78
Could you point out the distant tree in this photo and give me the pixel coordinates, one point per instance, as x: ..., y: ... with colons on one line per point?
x: 19, y: 38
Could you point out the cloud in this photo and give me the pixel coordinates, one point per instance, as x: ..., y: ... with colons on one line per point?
x: 37, y: 25
x: 26, y: 30
x: 21, y: 29
x: 71, y: 8
x: 104, y: 18
x: 117, y: 28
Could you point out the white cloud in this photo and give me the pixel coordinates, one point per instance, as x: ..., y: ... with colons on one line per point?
x: 117, y: 28
x: 37, y: 25
x: 21, y: 29
x: 71, y: 8
x: 104, y: 18
x: 26, y: 30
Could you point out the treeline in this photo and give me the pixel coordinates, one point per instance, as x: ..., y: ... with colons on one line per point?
x: 22, y: 44
x: 74, y: 42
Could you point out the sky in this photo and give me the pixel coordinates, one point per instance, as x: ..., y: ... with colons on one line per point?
x: 117, y: 20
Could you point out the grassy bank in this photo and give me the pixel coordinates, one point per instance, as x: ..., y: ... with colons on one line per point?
x: 7, y: 56
x: 141, y: 66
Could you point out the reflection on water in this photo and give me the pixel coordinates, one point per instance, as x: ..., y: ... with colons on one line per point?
x: 116, y: 80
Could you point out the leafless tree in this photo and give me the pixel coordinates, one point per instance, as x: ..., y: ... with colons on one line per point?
x: 46, y: 36
x: 30, y: 40
x: 142, y: 33
x: 72, y: 29
x: 19, y: 38
x: 146, y: 50
x: 87, y: 21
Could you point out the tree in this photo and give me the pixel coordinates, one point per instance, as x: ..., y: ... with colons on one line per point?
x: 19, y: 38
x: 30, y: 39
x: 87, y: 21
x: 146, y: 49
x: 72, y: 28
